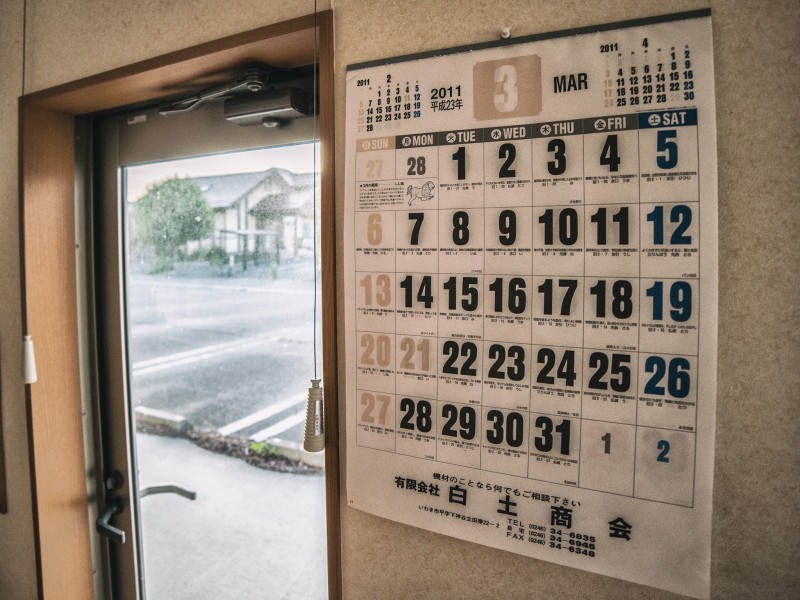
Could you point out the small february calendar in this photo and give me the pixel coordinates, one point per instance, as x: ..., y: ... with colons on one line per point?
x: 530, y: 292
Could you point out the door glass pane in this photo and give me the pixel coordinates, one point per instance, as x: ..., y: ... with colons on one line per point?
x: 220, y: 299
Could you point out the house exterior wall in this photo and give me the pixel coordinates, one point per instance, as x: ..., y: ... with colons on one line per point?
x: 222, y: 222
x: 755, y: 547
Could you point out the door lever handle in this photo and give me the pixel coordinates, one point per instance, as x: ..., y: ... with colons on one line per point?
x: 168, y: 488
x: 105, y: 528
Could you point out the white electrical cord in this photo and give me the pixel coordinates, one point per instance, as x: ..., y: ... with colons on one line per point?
x: 28, y: 361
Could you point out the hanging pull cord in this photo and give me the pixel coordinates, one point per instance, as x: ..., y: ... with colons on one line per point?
x: 314, y: 440
x: 315, y: 419
x: 253, y: 80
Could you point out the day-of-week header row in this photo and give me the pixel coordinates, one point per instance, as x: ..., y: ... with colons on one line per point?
x: 673, y: 118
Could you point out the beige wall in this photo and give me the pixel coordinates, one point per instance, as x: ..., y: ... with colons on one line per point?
x: 756, y: 534
x: 17, y: 559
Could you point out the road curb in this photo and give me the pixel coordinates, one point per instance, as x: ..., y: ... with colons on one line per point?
x: 153, y: 416
x: 294, y: 451
x: 180, y: 424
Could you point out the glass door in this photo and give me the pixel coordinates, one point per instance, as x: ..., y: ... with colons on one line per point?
x: 207, y: 276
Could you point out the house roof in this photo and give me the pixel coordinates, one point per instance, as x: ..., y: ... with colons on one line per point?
x: 222, y: 191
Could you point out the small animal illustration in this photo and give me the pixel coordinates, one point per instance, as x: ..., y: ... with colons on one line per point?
x: 423, y: 193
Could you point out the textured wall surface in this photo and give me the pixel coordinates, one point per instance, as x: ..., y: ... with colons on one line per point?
x: 71, y: 39
x: 755, y: 545
x: 17, y: 558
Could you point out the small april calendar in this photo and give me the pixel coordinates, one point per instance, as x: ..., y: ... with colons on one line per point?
x: 530, y: 280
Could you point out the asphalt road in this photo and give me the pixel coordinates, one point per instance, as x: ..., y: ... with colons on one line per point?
x: 233, y: 354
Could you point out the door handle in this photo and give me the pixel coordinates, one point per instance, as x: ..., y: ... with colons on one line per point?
x: 115, y: 506
x: 105, y: 528
x: 168, y: 488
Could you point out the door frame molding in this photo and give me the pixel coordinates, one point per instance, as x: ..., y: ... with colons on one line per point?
x: 47, y: 175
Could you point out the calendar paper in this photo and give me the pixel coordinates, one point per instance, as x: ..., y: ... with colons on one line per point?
x: 531, y: 296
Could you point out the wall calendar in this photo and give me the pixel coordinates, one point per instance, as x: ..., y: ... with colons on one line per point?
x: 530, y: 280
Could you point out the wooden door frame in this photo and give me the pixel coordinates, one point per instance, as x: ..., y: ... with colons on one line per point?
x: 47, y: 122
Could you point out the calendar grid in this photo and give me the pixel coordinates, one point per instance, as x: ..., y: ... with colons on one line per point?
x: 583, y: 305
x: 597, y: 374
x: 395, y: 329
x: 483, y: 321
x: 639, y: 329
x: 699, y: 278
